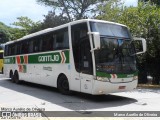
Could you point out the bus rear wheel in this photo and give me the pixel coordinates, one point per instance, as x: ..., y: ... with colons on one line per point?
x: 2, y: 70
x: 16, y: 77
x: 11, y: 76
x: 63, y: 85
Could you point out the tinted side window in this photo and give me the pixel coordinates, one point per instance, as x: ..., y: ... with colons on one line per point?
x: 11, y: 49
x: 55, y: 40
x: 47, y: 41
x: 25, y: 47
x: 36, y: 45
x: 19, y: 47
x: 62, y: 39
x: 1, y: 55
x: 30, y: 46
x: 6, y: 50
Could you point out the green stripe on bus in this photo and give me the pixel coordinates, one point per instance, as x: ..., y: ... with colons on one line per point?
x: 52, y: 57
x: 22, y: 59
x: 67, y: 56
x: 45, y: 58
x: 10, y: 60
x: 103, y: 74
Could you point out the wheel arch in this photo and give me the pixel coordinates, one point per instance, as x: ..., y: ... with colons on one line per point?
x: 63, y: 84
x: 59, y: 76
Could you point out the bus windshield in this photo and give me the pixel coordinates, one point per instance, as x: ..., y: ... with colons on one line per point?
x: 116, y: 53
x: 110, y: 30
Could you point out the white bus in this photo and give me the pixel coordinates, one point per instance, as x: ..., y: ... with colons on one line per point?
x: 89, y: 56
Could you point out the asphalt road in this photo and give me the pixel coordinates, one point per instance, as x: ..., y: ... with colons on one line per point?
x: 37, y: 97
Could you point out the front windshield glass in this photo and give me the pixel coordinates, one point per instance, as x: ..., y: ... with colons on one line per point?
x: 107, y: 29
x: 116, y: 53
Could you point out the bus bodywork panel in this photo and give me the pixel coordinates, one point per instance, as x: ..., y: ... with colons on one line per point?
x: 39, y: 68
x: 108, y: 87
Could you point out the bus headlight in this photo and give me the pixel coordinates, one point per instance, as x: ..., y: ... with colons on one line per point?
x: 103, y: 79
x: 135, y: 78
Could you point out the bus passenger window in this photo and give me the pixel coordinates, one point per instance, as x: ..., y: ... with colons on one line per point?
x: 25, y: 48
x: 66, y: 40
x: 30, y: 47
x: 18, y: 51
x: 1, y: 55
x: 6, y: 50
x: 50, y: 43
x: 62, y: 39
x: 59, y: 41
x: 47, y: 43
x: 36, y: 46
x: 12, y: 50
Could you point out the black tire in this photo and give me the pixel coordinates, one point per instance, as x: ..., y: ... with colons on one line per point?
x: 16, y: 78
x: 2, y: 71
x: 11, y: 76
x: 63, y: 85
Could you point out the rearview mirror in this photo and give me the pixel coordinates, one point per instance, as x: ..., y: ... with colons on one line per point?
x: 95, y: 40
x: 140, y: 45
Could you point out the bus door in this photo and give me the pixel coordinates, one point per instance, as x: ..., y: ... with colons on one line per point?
x: 86, y: 66
x: 82, y: 57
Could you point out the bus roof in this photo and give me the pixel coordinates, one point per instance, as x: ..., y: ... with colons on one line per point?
x: 62, y: 26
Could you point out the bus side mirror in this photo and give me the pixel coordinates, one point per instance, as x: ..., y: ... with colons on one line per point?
x: 140, y: 45
x: 96, y: 40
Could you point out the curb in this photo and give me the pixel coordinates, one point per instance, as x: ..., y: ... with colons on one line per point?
x: 148, y: 86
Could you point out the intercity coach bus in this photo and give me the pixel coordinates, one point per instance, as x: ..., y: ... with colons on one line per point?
x: 89, y: 56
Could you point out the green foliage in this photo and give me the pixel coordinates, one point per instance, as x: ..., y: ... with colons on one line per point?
x: 156, y: 2
x: 26, y: 26
x: 111, y: 11
x: 4, y: 33
x: 16, y: 33
x: 8, y: 33
x: 73, y: 9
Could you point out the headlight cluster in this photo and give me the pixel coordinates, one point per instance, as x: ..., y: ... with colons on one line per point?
x: 135, y: 78
x: 103, y: 79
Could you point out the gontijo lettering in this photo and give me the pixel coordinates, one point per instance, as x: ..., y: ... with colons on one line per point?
x: 48, y: 58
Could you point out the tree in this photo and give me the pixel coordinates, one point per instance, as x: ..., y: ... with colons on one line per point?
x: 157, y: 2
x: 53, y: 20
x: 27, y: 26
x: 5, y: 36
x: 73, y: 9
x: 110, y: 11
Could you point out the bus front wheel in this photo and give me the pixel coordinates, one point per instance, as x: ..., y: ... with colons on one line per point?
x: 63, y: 85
